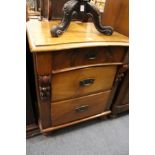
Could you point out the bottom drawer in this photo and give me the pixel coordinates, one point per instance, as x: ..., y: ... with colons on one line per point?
x: 70, y: 110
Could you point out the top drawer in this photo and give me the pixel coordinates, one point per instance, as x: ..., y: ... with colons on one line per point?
x: 87, y: 56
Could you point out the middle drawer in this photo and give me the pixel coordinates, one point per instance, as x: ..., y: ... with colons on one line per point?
x: 81, y: 82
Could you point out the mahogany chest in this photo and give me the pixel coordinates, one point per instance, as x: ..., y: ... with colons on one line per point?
x: 77, y: 74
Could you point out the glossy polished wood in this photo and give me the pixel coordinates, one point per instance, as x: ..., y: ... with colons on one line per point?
x: 75, y: 122
x: 67, y: 85
x: 118, y: 10
x: 43, y: 106
x: 43, y: 63
x: 87, y: 56
x: 72, y: 77
x: 67, y: 111
x: 121, y: 101
x: 86, y: 66
x: 116, y: 14
x: 85, y: 35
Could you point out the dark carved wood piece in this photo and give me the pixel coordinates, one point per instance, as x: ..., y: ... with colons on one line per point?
x: 45, y: 87
x: 73, y: 7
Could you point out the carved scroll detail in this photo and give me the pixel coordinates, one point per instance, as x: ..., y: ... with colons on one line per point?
x: 74, y: 7
x: 121, y: 72
x: 45, y: 87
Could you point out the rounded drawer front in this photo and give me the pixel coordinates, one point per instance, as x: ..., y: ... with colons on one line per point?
x: 70, y: 110
x: 82, y: 82
x: 87, y: 56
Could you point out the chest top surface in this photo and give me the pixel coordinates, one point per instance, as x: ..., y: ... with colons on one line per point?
x: 78, y: 35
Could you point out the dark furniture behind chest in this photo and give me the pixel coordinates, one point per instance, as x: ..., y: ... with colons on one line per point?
x: 116, y: 14
x: 32, y: 127
x: 121, y: 100
x: 119, y: 13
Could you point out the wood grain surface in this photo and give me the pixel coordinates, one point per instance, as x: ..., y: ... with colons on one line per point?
x: 67, y: 111
x: 85, y: 35
x: 67, y: 85
x: 116, y: 14
x: 75, y: 122
x: 87, y: 56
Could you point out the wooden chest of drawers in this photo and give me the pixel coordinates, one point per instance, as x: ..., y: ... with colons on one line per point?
x: 76, y: 74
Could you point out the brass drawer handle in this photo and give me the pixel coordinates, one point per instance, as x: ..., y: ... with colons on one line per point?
x: 91, y: 55
x: 82, y: 109
x: 87, y: 82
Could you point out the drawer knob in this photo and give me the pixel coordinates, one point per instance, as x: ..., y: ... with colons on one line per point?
x: 82, y: 109
x: 87, y: 82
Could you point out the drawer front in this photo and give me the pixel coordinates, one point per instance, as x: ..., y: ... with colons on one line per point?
x: 74, y: 109
x: 81, y: 82
x: 88, y: 56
